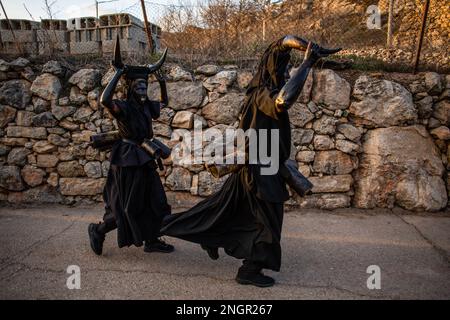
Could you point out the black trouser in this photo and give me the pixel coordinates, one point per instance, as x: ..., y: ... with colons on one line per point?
x: 109, y: 223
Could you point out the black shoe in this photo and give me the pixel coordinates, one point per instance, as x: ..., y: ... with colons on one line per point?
x: 158, y: 246
x: 256, y: 279
x: 213, y: 253
x: 96, y: 239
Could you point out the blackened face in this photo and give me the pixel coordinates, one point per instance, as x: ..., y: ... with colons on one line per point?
x: 140, y: 90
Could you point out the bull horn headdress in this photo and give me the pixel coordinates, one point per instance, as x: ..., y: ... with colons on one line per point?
x: 294, y: 42
x: 136, y: 72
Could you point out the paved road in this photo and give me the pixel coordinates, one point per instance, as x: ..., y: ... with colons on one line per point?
x: 325, y: 256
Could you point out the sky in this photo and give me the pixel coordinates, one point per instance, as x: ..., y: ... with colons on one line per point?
x: 66, y: 9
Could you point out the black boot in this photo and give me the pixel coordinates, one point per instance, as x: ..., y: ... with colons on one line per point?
x: 96, y: 239
x: 213, y: 252
x: 158, y: 246
x: 251, y: 274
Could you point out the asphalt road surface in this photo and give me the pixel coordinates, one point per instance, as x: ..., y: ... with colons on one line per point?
x: 326, y: 255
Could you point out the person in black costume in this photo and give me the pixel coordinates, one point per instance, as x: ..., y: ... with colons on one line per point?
x: 245, y: 217
x: 135, y: 200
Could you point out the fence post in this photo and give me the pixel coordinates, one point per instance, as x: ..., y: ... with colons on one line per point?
x: 19, y: 48
x: 148, y: 30
x: 390, y: 23
x: 421, y: 34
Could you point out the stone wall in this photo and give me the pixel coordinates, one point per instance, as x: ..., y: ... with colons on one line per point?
x: 371, y: 143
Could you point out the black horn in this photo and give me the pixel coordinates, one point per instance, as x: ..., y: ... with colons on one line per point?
x: 294, y: 42
x: 155, y: 67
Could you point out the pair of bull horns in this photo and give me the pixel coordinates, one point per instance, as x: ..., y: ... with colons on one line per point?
x: 118, y: 63
x: 294, y: 42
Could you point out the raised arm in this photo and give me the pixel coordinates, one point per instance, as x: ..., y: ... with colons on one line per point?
x: 164, y: 98
x: 292, y: 89
x: 107, y: 96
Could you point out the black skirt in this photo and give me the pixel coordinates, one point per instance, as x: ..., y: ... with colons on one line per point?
x: 136, y: 197
x: 235, y: 219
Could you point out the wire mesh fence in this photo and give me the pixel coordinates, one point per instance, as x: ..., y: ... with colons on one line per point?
x: 237, y: 31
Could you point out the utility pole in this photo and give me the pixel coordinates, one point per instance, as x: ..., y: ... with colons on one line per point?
x: 421, y: 34
x: 147, y: 27
x: 19, y: 48
x: 390, y: 23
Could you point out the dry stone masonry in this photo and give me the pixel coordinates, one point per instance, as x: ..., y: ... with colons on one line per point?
x: 371, y: 143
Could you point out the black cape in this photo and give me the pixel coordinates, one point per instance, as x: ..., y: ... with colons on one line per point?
x: 245, y: 217
x: 133, y: 192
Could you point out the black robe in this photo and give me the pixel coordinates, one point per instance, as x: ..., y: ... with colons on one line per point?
x: 134, y: 195
x: 245, y: 217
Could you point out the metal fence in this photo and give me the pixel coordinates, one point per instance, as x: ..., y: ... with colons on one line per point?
x: 237, y: 31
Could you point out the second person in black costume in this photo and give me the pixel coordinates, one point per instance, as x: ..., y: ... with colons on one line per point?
x: 245, y: 217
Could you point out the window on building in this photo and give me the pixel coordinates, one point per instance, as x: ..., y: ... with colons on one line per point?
x: 89, y: 35
x: 77, y: 36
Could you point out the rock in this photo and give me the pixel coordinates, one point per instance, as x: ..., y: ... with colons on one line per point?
x: 33, y: 176
x: 161, y: 129
x: 25, y: 132
x: 19, y: 63
x: 325, y: 125
x: 381, y: 103
x: 179, y: 74
x: 83, y: 136
x: 302, y: 136
x: 330, y: 184
x: 44, y: 119
x: 166, y: 116
x: 183, y: 119
x: 46, y: 160
x: 28, y: 74
x: 24, y: 118
x: 18, y: 156
x: 55, y: 68
x: 433, y: 83
x: 76, y: 96
x: 4, y: 66
x: 69, y: 125
x: 400, y: 166
x: 322, y: 142
x: 243, y: 79
x: 53, y: 179
x: 324, y: 201
x: 13, y: 142
x: 40, y: 105
x: 4, y: 150
x: 47, y: 86
x: 350, y: 132
x: 442, y: 133
x: 425, y: 107
x: 305, y: 170
x: 61, y: 112
x: 86, y: 79
x: 41, y: 194
x: 93, y: 169
x: 208, y: 185
x: 93, y: 98
x: 442, y: 112
x: 7, y: 115
x: 70, y: 169
x: 305, y: 95
x: 63, y: 102
x: 333, y: 163
x: 200, y: 122
x: 58, y: 140
x: 300, y: 115
x: 331, y: 90
x: 183, y: 95
x: 105, y: 168
x: 221, y: 81
x: 81, y: 186
x: 83, y: 114
x: 179, y: 180
x: 224, y: 110
x: 10, y: 178
x: 207, y: 70
x: 15, y: 93
x: 347, y: 146
x: 44, y: 147
x: 305, y: 156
